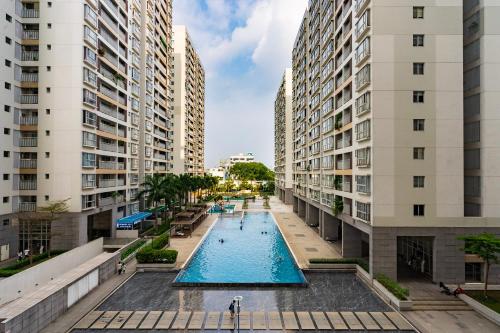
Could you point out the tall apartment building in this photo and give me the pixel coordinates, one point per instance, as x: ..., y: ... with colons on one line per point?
x: 283, y: 141
x: 189, y: 108
x: 394, y: 136
x: 87, y: 109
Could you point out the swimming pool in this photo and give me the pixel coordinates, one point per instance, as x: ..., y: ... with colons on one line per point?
x: 216, y: 209
x: 253, y: 252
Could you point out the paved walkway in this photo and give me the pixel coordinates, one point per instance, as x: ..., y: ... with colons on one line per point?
x: 260, y: 320
x: 450, y: 321
x: 185, y: 246
x: 89, y: 302
x: 303, y: 240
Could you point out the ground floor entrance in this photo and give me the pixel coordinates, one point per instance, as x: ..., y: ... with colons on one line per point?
x: 100, y: 225
x: 415, y: 257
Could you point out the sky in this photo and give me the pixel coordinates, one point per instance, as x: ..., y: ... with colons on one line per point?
x: 245, y: 46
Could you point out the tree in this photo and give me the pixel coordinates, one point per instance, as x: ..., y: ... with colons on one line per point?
x: 251, y: 171
x: 487, y: 247
x: 54, y: 210
x: 228, y: 185
x: 153, y: 190
x: 338, y: 205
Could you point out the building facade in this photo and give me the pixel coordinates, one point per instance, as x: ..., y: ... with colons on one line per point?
x: 393, y: 141
x: 283, y: 141
x: 87, y: 111
x: 189, y: 114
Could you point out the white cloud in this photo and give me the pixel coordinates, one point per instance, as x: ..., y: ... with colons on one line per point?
x: 240, y: 100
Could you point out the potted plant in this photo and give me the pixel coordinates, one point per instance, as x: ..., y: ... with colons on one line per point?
x: 338, y: 206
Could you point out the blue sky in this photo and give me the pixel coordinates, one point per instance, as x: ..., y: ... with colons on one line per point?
x: 245, y: 46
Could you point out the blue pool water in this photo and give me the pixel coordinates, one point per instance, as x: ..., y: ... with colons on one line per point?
x: 255, y: 254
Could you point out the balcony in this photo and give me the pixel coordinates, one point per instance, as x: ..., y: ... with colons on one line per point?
x: 26, y: 207
x: 362, y: 107
x: 108, y: 92
x: 28, y: 142
x: 28, y: 120
x: 344, y: 164
x: 29, y: 55
x: 107, y: 128
x: 28, y: 99
x: 105, y: 183
x: 360, y: 6
x: 108, y: 147
x: 31, y: 34
x: 109, y: 165
x: 30, y: 13
x: 27, y: 164
x: 29, y: 77
x: 27, y: 185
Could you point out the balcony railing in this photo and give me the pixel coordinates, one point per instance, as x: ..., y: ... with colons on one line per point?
x: 28, y: 142
x: 110, y: 165
x: 107, y: 128
x: 30, y: 13
x: 29, y: 99
x: 27, y: 185
x: 29, y: 77
x: 344, y: 165
x: 26, y: 207
x: 105, y: 183
x: 28, y: 120
x: 29, y: 56
x: 27, y: 163
x: 107, y: 147
x: 31, y: 34
x: 108, y: 92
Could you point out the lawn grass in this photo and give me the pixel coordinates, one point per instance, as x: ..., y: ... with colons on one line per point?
x: 493, y: 300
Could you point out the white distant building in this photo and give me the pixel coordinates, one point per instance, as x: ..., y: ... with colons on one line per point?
x: 232, y: 160
x: 216, y: 172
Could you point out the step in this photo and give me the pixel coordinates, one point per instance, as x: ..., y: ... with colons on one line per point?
x: 440, y: 308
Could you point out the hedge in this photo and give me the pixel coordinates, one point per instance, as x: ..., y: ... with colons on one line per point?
x: 23, y: 264
x: 358, y: 261
x: 391, y: 285
x: 160, y: 242
x: 132, y: 248
x: 154, y: 256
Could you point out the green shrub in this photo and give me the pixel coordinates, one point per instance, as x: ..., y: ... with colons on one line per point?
x: 394, y: 287
x: 358, y: 261
x: 8, y: 272
x: 154, y: 256
x: 160, y: 242
x: 132, y: 248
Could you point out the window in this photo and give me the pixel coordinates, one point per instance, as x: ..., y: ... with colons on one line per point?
x: 90, y: 36
x: 6, y: 108
x: 49, y: 47
x: 418, y: 210
x: 90, y: 56
x: 6, y: 131
x: 88, y: 201
x: 5, y: 199
x: 418, y: 12
x: 47, y: 111
x: 8, y: 18
x: 418, y: 68
x: 89, y: 97
x: 89, y: 139
x: 49, y: 25
x: 47, y: 154
x: 47, y: 198
x: 418, y: 124
x: 88, y: 160
x: 6, y: 153
x: 7, y: 85
x: 8, y: 40
x: 6, y: 176
x: 363, y: 157
x: 418, y: 153
x: 89, y: 118
x: 47, y: 176
x: 89, y: 77
x: 88, y: 181
x: 6, y: 222
x: 363, y: 184
x: 418, y: 40
x: 8, y: 63
x: 48, y: 90
x: 418, y: 181
x: 418, y: 97
x: 363, y: 211
x: 363, y: 130
x: 47, y: 133
x: 48, y: 68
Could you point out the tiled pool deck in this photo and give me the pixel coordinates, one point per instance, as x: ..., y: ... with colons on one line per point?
x: 332, y: 298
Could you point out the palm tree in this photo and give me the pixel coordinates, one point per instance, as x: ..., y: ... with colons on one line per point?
x: 185, y: 181
x: 153, y: 190
x: 171, y: 190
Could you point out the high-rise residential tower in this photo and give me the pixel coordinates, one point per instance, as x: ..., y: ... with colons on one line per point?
x: 283, y: 143
x: 393, y: 131
x: 86, y: 111
x: 189, y: 109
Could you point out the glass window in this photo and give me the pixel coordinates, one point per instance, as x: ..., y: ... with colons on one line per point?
x: 363, y: 211
x: 89, y: 139
x: 418, y: 97
x: 89, y: 77
x: 90, y: 36
x: 90, y: 16
x: 418, y: 124
x: 418, y: 153
x: 363, y: 130
x: 89, y: 118
x: 418, y: 68
x: 418, y: 40
x: 90, y: 56
x: 418, y: 12
x: 418, y: 181
x: 88, y: 160
x: 418, y: 210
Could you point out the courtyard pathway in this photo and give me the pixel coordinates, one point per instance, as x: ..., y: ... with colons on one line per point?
x: 303, y: 240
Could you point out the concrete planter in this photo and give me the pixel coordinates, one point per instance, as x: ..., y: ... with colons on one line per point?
x: 155, y: 267
x: 482, y: 309
x: 337, y: 267
x: 390, y: 298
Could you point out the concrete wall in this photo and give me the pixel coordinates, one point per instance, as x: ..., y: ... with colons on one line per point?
x: 43, y: 313
x: 9, y: 235
x: 29, y: 280
x: 127, y: 233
